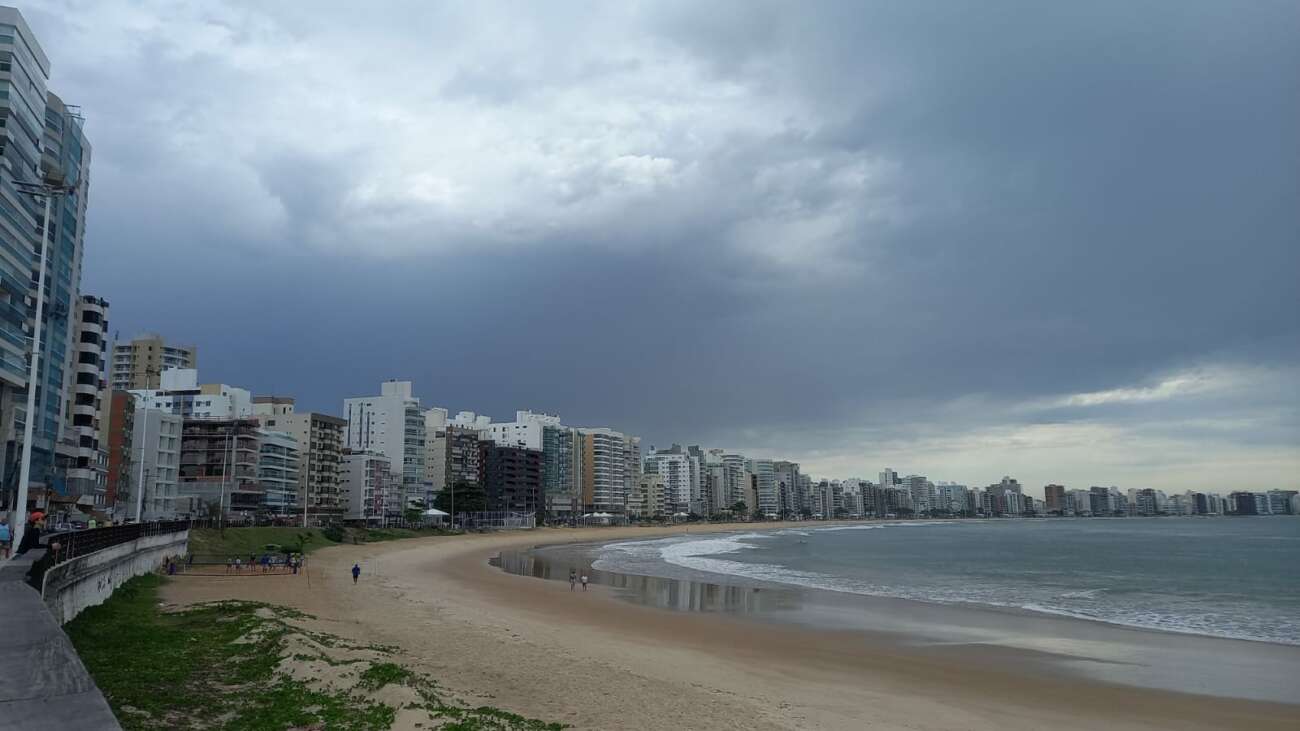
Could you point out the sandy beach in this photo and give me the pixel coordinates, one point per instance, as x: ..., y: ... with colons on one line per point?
x: 597, y: 662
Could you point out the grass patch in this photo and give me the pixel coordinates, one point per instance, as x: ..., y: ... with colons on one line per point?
x: 231, y: 665
x: 383, y: 673
x: 241, y: 542
x: 244, y: 541
x: 374, y: 535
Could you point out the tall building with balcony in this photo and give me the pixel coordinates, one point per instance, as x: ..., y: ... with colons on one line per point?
x: 87, y: 470
x: 41, y: 141
x: 769, y: 501
x: 365, y: 482
x: 153, y: 476
x: 140, y: 363
x: 117, y: 424
x: 793, y: 496
x: 511, y: 477
x: 219, y: 459
x: 278, y: 471
x: 392, y: 424
x: 1054, y: 496
x: 320, y: 459
x: 604, y: 471
x: 561, y: 470
x: 680, y: 481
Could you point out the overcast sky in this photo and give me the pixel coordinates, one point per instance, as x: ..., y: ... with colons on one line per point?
x: 1056, y: 241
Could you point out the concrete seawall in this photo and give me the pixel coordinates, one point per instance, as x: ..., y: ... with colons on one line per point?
x: 89, y: 580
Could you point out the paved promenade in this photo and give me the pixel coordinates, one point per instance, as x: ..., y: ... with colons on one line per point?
x: 43, y: 684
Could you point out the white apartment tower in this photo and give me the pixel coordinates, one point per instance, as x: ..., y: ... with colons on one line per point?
x: 393, y: 425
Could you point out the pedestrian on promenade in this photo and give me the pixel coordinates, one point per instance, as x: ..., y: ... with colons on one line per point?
x: 5, y: 538
x: 171, y: 567
x: 230, y: 564
x: 31, y: 537
x: 237, y: 564
x: 266, y: 562
x: 584, y: 582
x: 356, y: 572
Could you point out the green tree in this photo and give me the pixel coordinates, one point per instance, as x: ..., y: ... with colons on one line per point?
x: 469, y: 498
x: 740, y: 508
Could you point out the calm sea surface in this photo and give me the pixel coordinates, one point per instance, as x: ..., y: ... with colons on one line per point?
x: 1226, y: 577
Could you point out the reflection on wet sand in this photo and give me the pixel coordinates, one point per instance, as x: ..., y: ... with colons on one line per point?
x: 679, y: 594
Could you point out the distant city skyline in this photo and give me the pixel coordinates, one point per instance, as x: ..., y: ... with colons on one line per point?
x: 740, y: 225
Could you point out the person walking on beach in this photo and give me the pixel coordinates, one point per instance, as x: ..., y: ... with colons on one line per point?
x: 573, y: 579
x: 584, y: 582
x: 356, y: 572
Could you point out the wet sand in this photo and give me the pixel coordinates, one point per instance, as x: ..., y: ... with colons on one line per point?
x: 596, y: 661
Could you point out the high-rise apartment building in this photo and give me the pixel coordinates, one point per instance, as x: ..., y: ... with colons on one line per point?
x: 793, y: 496
x: 152, y: 480
x: 769, y: 500
x: 117, y: 423
x: 391, y: 424
x: 320, y: 455
x: 511, y: 477
x: 674, y: 467
x: 219, y: 459
x: 278, y: 470
x: 41, y: 141
x: 87, y: 467
x: 561, y: 470
x: 365, y: 482
x: 604, y: 471
x: 1054, y: 495
x: 140, y: 363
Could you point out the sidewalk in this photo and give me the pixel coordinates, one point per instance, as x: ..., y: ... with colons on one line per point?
x: 43, y: 684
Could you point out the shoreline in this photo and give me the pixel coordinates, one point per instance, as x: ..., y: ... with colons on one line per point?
x: 1016, y: 610
x: 597, y: 661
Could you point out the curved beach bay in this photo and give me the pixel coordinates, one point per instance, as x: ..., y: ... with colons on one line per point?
x: 600, y: 661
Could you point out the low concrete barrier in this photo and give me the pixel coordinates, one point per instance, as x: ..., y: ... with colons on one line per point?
x: 43, y: 684
x: 88, y: 580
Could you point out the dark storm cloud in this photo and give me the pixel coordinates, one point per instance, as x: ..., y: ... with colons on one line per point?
x: 848, y: 233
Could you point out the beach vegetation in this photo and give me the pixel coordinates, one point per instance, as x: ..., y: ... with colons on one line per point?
x: 236, y: 665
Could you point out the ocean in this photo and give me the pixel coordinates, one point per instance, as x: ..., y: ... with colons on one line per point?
x: 1220, y: 577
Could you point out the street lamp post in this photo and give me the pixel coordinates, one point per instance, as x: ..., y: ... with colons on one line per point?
x: 48, y: 191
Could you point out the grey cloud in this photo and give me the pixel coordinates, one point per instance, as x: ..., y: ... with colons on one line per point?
x: 886, y: 224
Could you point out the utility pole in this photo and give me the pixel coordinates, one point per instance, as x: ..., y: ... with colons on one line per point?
x: 221, y: 506
x: 48, y: 190
x: 139, y: 498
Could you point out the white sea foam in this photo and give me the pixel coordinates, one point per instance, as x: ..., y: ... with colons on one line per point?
x: 707, y: 555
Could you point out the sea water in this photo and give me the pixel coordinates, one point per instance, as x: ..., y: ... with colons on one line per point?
x: 1221, y: 577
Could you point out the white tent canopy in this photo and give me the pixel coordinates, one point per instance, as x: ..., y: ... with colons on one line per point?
x: 433, y: 512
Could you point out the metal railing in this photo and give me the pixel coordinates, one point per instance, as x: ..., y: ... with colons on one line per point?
x: 67, y: 545
x: 72, y: 544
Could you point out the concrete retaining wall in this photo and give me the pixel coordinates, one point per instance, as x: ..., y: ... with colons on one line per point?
x: 89, y: 580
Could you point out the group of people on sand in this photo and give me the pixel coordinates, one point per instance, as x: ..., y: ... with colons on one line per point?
x: 269, y: 564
